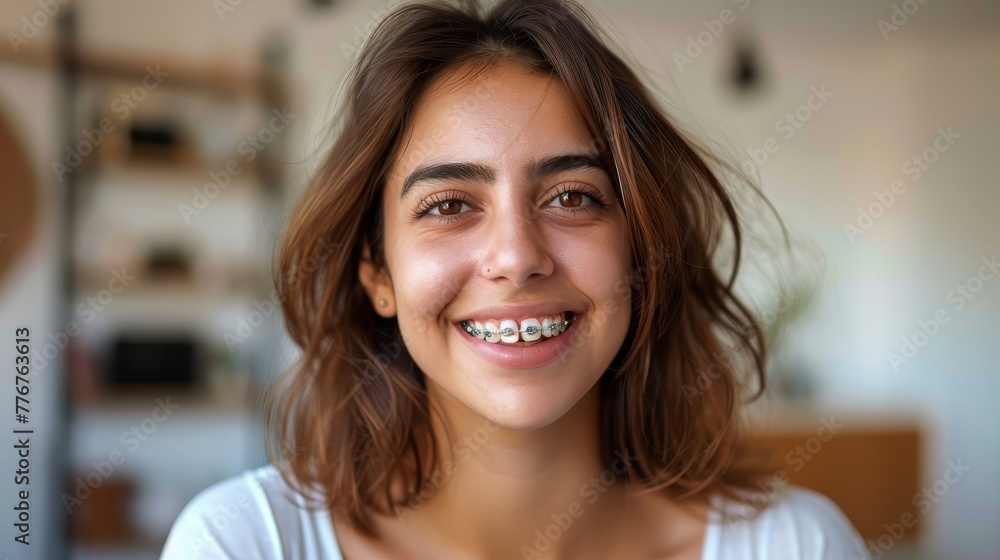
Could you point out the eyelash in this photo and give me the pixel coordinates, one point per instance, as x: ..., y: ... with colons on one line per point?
x: 436, y: 199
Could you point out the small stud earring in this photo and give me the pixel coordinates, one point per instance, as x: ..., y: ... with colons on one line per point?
x: 382, y: 302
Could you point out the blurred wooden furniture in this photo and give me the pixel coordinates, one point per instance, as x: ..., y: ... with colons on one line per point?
x: 871, y: 468
x: 104, y: 515
x: 19, y: 211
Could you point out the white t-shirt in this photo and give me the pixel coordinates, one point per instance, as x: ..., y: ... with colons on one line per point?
x: 249, y: 517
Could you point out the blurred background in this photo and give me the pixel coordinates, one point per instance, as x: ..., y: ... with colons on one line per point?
x: 151, y: 150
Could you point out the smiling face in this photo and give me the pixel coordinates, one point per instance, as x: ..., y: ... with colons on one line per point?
x: 497, y: 209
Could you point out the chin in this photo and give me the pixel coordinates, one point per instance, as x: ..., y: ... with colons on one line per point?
x: 528, y: 408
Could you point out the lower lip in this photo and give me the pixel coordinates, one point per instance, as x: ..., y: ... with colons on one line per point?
x: 523, y: 357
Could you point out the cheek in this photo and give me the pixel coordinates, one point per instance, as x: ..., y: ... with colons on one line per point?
x: 424, y: 271
x: 609, y: 291
x: 427, y: 277
x: 598, y: 263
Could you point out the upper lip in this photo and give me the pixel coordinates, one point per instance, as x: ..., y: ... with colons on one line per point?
x: 519, y: 312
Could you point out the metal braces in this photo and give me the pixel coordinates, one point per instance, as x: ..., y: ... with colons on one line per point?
x: 531, y: 330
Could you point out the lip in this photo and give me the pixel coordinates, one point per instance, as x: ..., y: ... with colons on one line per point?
x: 521, y: 357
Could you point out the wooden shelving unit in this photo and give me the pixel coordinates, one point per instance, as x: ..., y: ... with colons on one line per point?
x: 217, y: 282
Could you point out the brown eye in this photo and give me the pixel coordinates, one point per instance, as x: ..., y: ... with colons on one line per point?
x: 571, y: 199
x: 449, y: 208
x: 443, y: 207
x: 583, y: 198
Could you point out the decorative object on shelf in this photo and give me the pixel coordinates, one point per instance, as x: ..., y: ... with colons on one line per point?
x: 169, y: 260
x: 154, y: 359
x: 155, y: 142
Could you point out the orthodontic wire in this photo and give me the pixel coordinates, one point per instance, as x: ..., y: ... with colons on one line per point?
x: 469, y: 328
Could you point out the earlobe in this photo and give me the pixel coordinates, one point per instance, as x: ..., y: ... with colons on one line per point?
x: 378, y: 286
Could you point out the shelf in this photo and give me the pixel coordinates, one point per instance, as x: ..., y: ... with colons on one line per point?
x: 242, y: 287
x: 137, y: 402
x: 161, y: 176
x: 218, y: 76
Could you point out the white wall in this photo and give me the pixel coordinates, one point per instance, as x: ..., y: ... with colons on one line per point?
x: 941, y: 69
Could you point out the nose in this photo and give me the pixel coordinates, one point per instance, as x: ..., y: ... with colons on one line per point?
x: 515, y: 248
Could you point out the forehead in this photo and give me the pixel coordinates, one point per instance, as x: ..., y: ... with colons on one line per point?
x: 504, y: 114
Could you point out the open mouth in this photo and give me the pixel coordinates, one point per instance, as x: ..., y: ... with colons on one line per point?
x: 520, y: 334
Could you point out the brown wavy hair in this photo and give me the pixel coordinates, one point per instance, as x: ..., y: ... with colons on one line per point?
x: 352, y: 416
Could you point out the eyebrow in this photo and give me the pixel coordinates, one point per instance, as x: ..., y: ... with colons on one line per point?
x: 533, y: 170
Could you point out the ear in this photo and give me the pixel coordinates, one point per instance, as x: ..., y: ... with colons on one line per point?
x: 377, y: 284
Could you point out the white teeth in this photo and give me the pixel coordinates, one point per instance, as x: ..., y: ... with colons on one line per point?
x: 547, y: 327
x: 508, y: 331
x: 492, y: 334
x: 531, y: 325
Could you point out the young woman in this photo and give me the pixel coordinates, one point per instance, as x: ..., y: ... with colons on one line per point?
x: 502, y: 283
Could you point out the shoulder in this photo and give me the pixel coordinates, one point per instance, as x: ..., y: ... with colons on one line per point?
x: 254, y: 515
x: 796, y: 524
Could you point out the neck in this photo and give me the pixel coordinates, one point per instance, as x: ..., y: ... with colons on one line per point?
x: 505, y: 493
